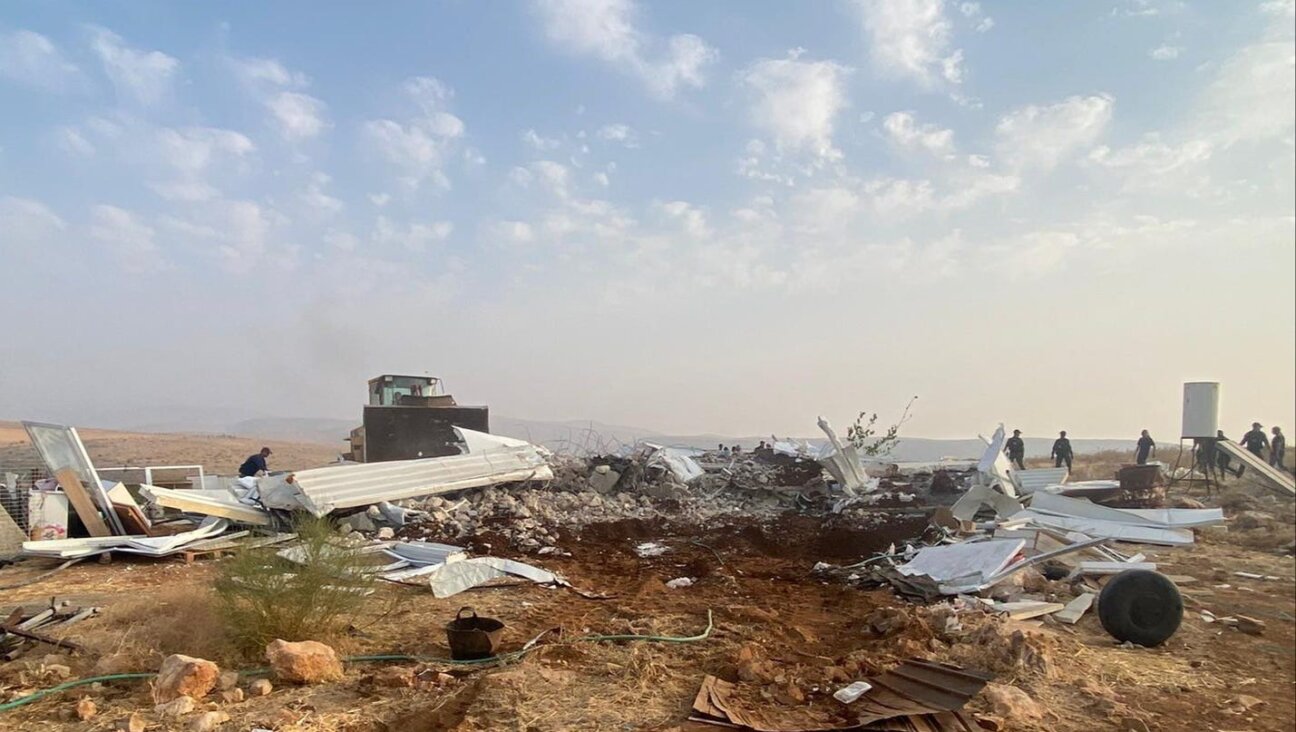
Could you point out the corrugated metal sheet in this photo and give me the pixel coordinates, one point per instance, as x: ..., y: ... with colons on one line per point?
x: 324, y: 490
x: 1029, y: 481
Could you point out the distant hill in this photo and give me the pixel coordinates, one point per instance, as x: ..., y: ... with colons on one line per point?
x: 572, y: 435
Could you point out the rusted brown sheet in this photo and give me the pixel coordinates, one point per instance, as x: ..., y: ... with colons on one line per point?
x: 916, y: 696
x: 918, y: 687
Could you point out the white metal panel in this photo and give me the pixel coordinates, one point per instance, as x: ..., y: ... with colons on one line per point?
x: 323, y: 490
x: 1029, y: 481
x: 1275, y: 476
x: 1200, y: 409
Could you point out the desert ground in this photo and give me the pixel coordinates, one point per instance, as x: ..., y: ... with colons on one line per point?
x: 790, y: 634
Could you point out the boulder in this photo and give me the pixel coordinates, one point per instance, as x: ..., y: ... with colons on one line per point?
x: 304, y: 662
x: 260, y: 687
x: 1012, y: 703
x: 182, y: 675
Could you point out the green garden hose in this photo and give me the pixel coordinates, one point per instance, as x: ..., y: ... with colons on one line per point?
x: 502, y: 658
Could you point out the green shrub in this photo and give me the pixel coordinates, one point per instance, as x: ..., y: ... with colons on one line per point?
x: 263, y: 596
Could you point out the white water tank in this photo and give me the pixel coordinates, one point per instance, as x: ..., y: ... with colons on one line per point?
x: 1200, y: 409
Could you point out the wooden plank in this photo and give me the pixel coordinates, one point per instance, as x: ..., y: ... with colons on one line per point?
x: 1075, y: 609
x: 81, y: 501
x: 1026, y: 609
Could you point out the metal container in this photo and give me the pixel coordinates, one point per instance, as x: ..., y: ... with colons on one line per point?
x: 1200, y: 409
x: 473, y: 638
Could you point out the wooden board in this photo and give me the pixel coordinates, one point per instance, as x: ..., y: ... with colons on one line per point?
x: 81, y: 501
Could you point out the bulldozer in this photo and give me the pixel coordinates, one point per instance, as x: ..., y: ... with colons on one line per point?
x: 411, y: 417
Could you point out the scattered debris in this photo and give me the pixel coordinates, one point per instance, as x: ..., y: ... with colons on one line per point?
x: 848, y: 694
x: 680, y: 583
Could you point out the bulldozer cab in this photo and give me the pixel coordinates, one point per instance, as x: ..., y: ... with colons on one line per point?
x: 390, y: 390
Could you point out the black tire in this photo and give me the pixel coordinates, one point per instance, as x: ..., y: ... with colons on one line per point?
x: 1140, y: 606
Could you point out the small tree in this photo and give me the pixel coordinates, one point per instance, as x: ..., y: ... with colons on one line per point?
x: 264, y: 597
x: 863, y: 434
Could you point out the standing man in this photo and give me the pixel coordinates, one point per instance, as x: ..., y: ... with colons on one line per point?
x: 255, y: 464
x: 1277, y: 446
x: 1146, y: 446
x: 1223, y: 461
x: 1016, y: 449
x: 1062, y: 451
x: 1255, y: 441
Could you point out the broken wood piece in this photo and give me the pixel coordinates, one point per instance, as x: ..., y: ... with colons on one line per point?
x: 1110, y: 568
x: 42, y: 638
x: 1075, y: 609
x: 1250, y: 625
x: 81, y: 502
x: 1026, y: 609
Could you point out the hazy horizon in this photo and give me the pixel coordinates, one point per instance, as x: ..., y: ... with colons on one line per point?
x: 690, y: 218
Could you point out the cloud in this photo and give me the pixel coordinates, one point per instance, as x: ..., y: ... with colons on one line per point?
x: 299, y: 116
x: 1035, y: 254
x: 904, y: 131
x: 510, y: 232
x: 419, y: 146
x: 1253, y: 95
x: 295, y: 114
x: 1165, y: 52
x: 972, y: 11
x: 29, y: 222
x: 1043, y: 136
x: 607, y: 30
x: 254, y: 71
x: 185, y: 190
x: 796, y: 102
x: 70, y: 140
x: 413, y: 236
x: 144, y: 76
x: 30, y: 58
x: 316, y: 198
x: 911, y: 39
x: 192, y: 150
x: 621, y: 133
x: 128, y: 239
x: 538, y: 142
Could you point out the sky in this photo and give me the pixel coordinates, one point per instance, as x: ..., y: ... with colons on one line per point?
x: 723, y: 217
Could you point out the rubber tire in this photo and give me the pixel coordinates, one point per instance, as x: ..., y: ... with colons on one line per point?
x: 1140, y: 606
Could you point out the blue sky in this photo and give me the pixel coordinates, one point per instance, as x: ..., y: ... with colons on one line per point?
x: 726, y: 216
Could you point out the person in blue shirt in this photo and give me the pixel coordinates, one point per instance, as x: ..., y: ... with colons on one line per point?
x: 255, y: 464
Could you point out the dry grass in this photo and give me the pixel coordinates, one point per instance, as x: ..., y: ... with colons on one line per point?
x: 137, y: 633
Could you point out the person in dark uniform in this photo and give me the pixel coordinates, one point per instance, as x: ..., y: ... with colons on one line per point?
x: 1223, y: 461
x: 1015, y: 447
x: 1146, y: 447
x: 1255, y: 441
x: 1061, y: 453
x: 255, y: 464
x: 1277, y: 446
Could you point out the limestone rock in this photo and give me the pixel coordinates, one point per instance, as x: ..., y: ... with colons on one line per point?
x: 177, y: 707
x: 232, y: 696
x: 260, y: 687
x: 208, y: 721
x: 86, y: 709
x: 133, y: 723
x: 304, y: 662
x: 228, y: 680
x: 182, y: 675
x: 1012, y: 703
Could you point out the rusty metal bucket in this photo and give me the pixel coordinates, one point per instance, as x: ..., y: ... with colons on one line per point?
x: 473, y: 638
